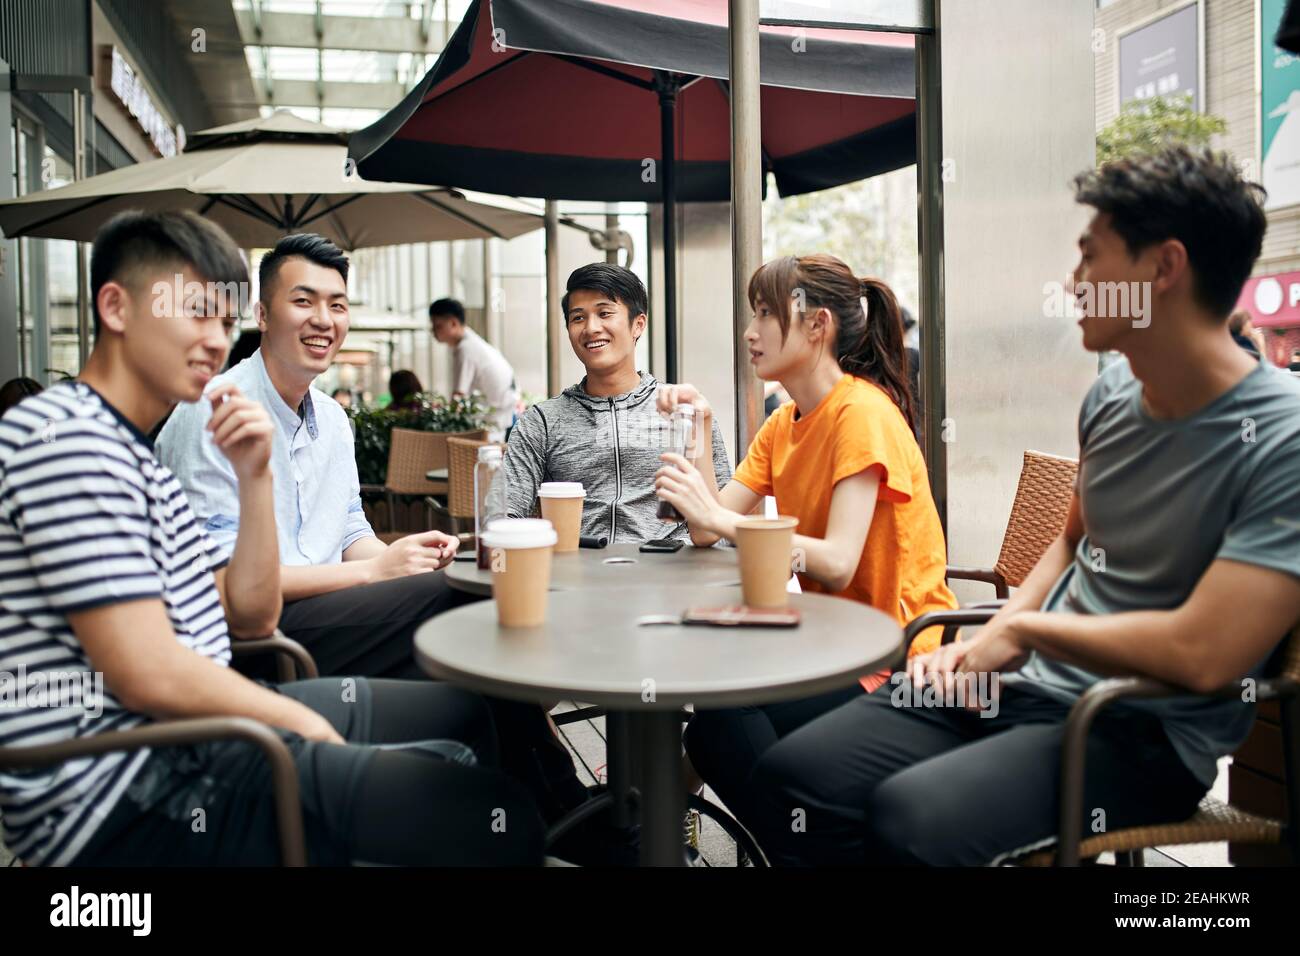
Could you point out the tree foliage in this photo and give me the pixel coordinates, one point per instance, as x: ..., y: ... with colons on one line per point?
x: 1147, y: 126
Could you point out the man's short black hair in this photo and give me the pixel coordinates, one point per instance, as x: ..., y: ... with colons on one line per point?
x: 447, y: 307
x: 306, y: 245
x: 620, y: 284
x: 134, y: 239
x: 1195, y: 196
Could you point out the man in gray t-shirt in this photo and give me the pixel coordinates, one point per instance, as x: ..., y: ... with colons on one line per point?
x: 1164, y: 500
x: 1179, y: 562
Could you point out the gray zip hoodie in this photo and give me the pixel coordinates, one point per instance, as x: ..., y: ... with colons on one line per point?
x: 611, y: 445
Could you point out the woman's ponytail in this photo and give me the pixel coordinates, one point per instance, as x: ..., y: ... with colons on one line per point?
x: 873, y: 349
x: 868, y: 343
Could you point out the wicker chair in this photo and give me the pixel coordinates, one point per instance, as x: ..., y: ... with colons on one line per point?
x: 411, y: 455
x: 1214, y: 821
x: 180, y: 733
x: 1038, y: 514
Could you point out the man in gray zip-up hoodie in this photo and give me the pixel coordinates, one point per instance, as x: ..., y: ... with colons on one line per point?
x: 605, y: 431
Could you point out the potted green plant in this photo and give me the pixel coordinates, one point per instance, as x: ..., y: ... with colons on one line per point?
x: 432, y: 413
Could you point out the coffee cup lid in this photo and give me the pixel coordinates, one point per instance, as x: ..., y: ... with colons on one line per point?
x: 562, y: 489
x: 512, y: 533
x: 779, y: 523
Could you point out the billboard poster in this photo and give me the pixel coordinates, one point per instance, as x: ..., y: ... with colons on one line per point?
x: 1279, y: 114
x: 1162, y: 58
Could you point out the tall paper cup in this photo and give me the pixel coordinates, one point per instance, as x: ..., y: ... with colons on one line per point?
x: 765, y: 546
x: 562, y: 507
x: 520, y: 559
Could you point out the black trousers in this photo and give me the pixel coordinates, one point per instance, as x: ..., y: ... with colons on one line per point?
x: 875, y: 781
x: 369, y: 631
x: 725, y: 745
x: 407, y: 789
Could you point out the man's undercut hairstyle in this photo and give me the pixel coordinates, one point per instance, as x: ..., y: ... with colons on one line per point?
x: 615, y: 282
x: 133, y: 242
x: 305, y: 245
x: 447, y: 307
x: 1195, y: 196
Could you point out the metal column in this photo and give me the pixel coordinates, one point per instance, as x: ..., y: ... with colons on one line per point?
x: 929, y: 199
x: 667, y: 169
x: 746, y: 209
x: 554, y: 320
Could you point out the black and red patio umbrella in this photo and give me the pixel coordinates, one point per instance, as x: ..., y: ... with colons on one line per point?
x: 627, y: 100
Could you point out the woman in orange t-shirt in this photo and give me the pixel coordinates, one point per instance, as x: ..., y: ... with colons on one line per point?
x: 841, y: 457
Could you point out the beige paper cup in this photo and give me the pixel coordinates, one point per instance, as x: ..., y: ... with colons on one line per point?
x: 765, y: 546
x: 520, y: 559
x: 562, y: 507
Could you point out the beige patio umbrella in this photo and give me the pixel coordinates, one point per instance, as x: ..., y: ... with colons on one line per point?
x: 264, y: 178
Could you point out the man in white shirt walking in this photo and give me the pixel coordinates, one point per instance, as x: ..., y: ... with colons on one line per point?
x: 480, y: 367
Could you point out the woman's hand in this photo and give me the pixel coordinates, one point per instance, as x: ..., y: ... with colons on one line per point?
x: 670, y: 396
x: 680, y: 484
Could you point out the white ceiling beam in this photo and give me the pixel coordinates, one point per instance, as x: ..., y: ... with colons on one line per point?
x: 334, y: 94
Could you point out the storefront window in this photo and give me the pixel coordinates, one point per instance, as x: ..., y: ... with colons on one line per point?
x: 21, y: 154
x: 61, y: 284
x: 48, y: 335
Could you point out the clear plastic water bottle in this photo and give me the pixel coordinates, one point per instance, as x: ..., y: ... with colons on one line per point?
x: 681, y: 441
x: 489, y: 497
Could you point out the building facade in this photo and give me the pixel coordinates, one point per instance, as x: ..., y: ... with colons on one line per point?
x: 1223, y: 52
x: 87, y: 86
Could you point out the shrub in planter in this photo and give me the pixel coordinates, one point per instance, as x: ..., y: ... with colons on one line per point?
x: 431, y: 413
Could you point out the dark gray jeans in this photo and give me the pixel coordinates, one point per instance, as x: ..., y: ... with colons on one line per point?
x: 407, y: 789
x: 872, y: 783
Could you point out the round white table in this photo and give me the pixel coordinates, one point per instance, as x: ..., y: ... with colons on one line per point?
x: 618, y: 565
x: 591, y: 648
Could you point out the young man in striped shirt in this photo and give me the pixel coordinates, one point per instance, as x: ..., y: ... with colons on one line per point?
x: 106, y: 576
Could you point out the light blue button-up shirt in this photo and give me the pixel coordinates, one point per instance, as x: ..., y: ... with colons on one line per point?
x: 318, y: 510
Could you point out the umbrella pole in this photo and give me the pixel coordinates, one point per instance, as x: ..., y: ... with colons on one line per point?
x: 554, y: 320
x: 668, y: 160
x: 746, y: 209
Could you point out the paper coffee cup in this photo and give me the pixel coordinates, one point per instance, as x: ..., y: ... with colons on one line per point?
x: 520, y: 560
x: 562, y: 507
x: 765, y: 546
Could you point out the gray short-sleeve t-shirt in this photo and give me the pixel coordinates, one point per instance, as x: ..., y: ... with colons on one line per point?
x: 1163, y: 499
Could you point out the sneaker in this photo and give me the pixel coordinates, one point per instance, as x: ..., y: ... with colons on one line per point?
x: 691, y: 829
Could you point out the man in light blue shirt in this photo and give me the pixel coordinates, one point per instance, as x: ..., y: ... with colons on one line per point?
x: 314, y: 449
x: 336, y: 575
x: 351, y: 600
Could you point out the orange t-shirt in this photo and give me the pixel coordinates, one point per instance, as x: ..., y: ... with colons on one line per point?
x: 856, y: 427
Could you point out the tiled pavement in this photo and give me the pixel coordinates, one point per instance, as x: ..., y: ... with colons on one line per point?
x: 586, y: 741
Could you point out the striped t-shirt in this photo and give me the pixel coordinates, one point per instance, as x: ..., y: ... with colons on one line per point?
x: 88, y: 517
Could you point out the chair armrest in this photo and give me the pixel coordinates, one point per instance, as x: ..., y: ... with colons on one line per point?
x: 985, y: 575
x: 952, y: 622
x: 437, y: 516
x: 372, y: 489
x: 287, y: 651
x: 176, y: 733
